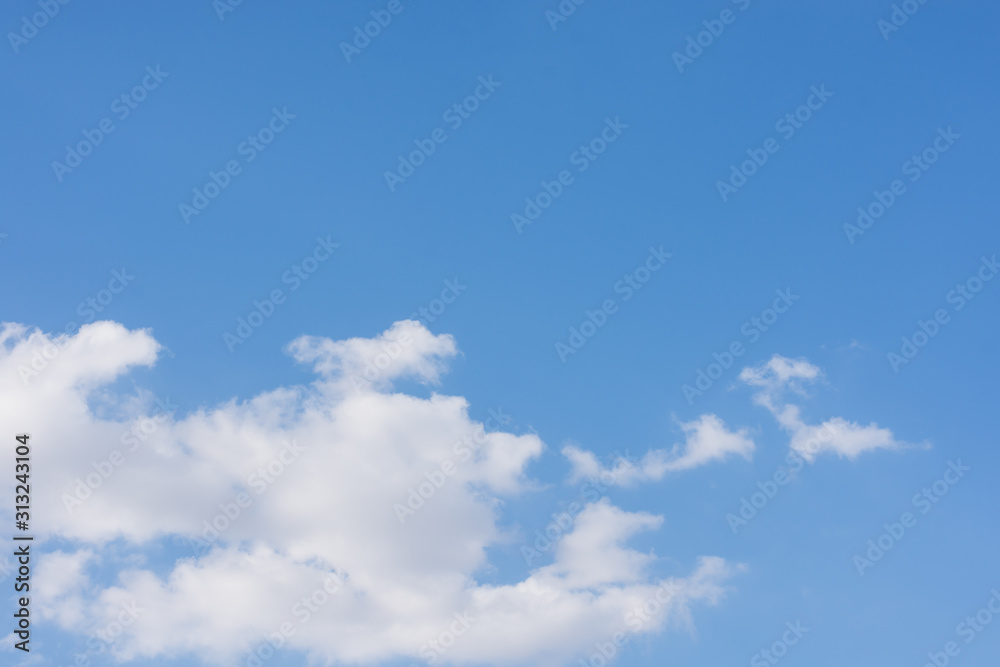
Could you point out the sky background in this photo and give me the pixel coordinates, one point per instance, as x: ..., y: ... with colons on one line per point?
x: 655, y: 185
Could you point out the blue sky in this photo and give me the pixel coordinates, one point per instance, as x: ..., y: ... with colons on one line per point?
x: 551, y: 88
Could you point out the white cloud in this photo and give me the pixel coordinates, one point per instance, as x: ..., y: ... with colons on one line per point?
x: 321, y: 467
x: 845, y: 438
x: 707, y: 439
x: 779, y: 372
x: 58, y: 580
x: 406, y: 349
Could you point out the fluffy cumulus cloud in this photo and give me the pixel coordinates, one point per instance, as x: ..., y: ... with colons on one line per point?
x: 707, y: 439
x: 342, y: 519
x: 779, y: 375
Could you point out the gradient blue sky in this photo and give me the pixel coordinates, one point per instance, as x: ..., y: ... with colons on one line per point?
x: 655, y: 185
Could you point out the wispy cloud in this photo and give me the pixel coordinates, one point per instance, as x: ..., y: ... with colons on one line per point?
x: 779, y: 375
x: 707, y: 439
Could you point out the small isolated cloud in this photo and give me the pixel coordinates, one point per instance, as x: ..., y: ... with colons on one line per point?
x: 406, y: 349
x: 707, y: 439
x: 844, y: 438
x: 778, y: 374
